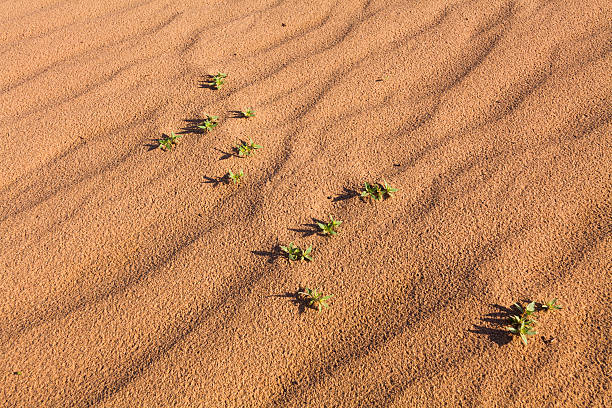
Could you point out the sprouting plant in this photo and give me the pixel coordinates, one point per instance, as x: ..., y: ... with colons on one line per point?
x: 387, y: 189
x: 330, y: 227
x: 245, y: 149
x: 168, y: 142
x: 248, y: 113
x: 295, y: 253
x: 372, y: 191
x: 235, y: 177
x: 523, y: 324
x: 378, y: 191
x: 209, y: 123
x: 552, y: 305
x: 315, y: 298
x: 218, y: 80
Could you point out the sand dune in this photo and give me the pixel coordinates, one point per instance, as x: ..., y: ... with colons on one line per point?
x: 128, y: 279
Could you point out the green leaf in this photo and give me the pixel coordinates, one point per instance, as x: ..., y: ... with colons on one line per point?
x: 531, y: 307
x: 512, y: 330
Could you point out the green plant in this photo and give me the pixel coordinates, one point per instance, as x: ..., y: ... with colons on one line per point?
x: 387, y: 189
x: 316, y: 299
x: 372, y: 191
x: 218, y: 80
x: 552, y: 305
x: 245, y: 149
x: 168, y: 142
x: 295, y: 253
x: 248, y: 113
x: 235, y: 177
x: 330, y: 227
x: 209, y: 123
x: 523, y: 323
x: 378, y: 191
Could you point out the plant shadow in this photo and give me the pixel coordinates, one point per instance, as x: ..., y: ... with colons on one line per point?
x: 272, y: 255
x: 496, y: 320
x: 236, y: 114
x: 216, y: 181
x: 295, y: 298
x: 227, y: 155
x: 207, y: 82
x: 191, y: 126
x: 309, y: 229
x: 153, y: 144
x: 347, y: 194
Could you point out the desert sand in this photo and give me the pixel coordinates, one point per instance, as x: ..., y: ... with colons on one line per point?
x: 130, y: 278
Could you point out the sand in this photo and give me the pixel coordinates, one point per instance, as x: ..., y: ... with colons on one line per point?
x: 129, y: 279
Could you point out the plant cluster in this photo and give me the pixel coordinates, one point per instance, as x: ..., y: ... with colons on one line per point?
x: 330, y: 227
x: 168, y: 142
x: 218, y: 80
x: 295, y: 253
x: 378, y: 191
x: 209, y: 123
x: 245, y: 149
x: 248, y: 113
x: 235, y: 177
x: 315, y: 298
x: 523, y: 323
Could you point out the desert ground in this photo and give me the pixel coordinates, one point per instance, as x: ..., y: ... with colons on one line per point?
x: 133, y: 276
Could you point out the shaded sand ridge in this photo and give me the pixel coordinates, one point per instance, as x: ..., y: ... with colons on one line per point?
x: 127, y: 279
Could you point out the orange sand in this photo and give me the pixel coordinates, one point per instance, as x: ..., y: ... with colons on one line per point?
x: 128, y: 280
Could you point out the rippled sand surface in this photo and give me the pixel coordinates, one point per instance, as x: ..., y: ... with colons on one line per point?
x: 130, y: 277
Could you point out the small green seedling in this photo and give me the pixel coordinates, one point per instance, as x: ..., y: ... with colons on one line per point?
x: 209, y: 123
x: 249, y: 113
x: 168, y: 142
x: 387, y: 189
x: 235, y: 177
x: 316, y: 299
x: 523, y: 324
x: 372, y: 191
x: 330, y: 227
x: 295, y: 253
x: 218, y: 80
x: 245, y: 149
x: 378, y: 191
x: 552, y: 305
